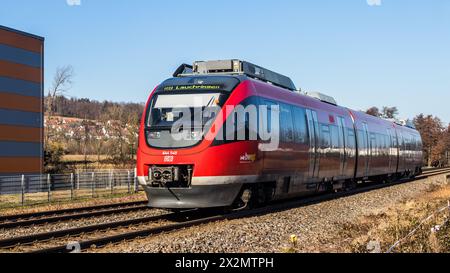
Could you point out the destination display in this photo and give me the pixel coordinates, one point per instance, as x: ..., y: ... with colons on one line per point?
x: 192, y: 87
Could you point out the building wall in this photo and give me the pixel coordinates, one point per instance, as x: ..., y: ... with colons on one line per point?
x: 21, y: 102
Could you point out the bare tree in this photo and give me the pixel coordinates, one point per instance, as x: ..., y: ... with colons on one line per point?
x: 389, y: 112
x: 62, y: 82
x: 113, y: 122
x: 132, y: 126
x: 99, y: 140
x: 431, y: 130
x: 87, y: 137
x: 374, y: 111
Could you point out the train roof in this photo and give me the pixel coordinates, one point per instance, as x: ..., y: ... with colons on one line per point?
x: 227, y: 74
x: 235, y: 67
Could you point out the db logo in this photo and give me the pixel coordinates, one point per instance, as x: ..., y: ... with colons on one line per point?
x: 168, y: 159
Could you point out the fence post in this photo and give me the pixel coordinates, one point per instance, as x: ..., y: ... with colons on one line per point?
x: 22, y: 185
x: 71, y: 186
x: 111, y: 184
x: 448, y: 204
x: 129, y: 182
x: 49, y: 188
x: 78, y: 179
x: 136, y: 185
x: 93, y: 184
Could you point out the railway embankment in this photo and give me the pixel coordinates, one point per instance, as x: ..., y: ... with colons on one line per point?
x: 366, y: 222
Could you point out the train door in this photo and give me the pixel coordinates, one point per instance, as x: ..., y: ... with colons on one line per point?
x: 313, y: 128
x: 393, y: 151
x: 301, y: 150
x: 401, y: 151
x: 367, y: 150
x: 342, y: 146
x: 409, y: 148
x: 301, y: 140
x: 288, y: 153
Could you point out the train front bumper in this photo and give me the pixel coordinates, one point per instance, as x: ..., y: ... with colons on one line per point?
x: 196, y: 196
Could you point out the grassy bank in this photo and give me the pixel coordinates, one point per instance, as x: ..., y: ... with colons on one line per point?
x: 377, y: 232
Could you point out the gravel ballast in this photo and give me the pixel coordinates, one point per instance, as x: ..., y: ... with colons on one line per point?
x: 24, y: 231
x: 319, y: 227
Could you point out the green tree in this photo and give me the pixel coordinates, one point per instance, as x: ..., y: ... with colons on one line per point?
x: 53, y: 155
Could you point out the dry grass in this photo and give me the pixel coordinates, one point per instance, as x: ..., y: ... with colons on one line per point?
x: 63, y: 203
x: 80, y: 158
x: 397, y: 222
x: 77, y: 162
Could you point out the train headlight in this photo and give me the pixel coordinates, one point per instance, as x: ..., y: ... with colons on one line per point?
x: 157, y: 175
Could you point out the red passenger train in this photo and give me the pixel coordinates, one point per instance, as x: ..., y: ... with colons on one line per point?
x: 223, y: 158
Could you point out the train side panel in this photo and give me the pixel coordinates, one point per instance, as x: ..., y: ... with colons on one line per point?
x: 321, y: 146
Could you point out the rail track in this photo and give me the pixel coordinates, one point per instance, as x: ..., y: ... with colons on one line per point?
x: 116, y: 232
x: 46, y: 217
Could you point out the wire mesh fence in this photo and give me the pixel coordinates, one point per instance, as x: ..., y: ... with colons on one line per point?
x: 33, y: 189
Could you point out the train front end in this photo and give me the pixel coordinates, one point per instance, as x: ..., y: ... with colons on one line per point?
x: 181, y: 162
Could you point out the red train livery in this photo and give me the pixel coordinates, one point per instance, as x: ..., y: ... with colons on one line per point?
x: 320, y: 146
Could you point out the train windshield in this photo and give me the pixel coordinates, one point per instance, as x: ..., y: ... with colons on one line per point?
x: 179, y: 120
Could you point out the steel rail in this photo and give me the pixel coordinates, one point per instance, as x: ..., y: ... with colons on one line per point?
x: 15, y: 217
x: 10, y: 221
x: 275, y: 207
x: 29, y: 239
x: 68, y: 217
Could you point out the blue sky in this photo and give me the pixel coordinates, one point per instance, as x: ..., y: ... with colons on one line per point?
x: 396, y: 53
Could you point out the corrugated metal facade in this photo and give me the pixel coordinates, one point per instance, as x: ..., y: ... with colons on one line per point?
x: 21, y: 102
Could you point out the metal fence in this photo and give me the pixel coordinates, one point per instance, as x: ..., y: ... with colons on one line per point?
x: 26, y: 189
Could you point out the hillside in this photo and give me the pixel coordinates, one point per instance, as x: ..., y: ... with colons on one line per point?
x: 95, y: 110
x: 106, y: 130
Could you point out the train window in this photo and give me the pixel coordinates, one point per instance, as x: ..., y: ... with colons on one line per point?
x: 325, y: 137
x: 407, y: 143
x: 362, y: 143
x: 394, y: 140
x: 335, y: 143
x: 382, y: 143
x: 301, y: 134
x: 373, y: 143
x: 342, y: 137
x: 286, y: 123
x: 419, y: 143
x: 269, y: 105
x: 411, y: 143
x: 242, y: 125
x: 351, y: 133
x: 365, y: 138
x: 386, y: 144
x: 351, y: 143
x: 380, y: 139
